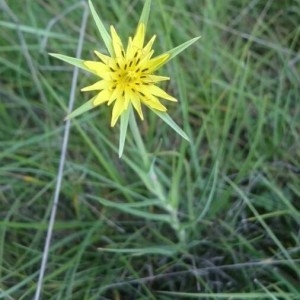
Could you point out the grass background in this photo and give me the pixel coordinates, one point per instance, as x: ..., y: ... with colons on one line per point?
x: 236, y: 186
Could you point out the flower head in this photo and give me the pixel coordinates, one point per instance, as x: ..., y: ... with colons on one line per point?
x: 127, y: 76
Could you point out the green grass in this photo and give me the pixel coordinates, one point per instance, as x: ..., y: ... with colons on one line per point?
x: 235, y: 187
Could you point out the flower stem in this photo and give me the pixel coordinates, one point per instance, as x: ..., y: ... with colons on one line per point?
x: 154, y: 183
x: 138, y: 140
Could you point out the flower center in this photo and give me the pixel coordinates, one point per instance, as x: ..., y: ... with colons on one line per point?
x: 130, y: 76
x: 130, y: 73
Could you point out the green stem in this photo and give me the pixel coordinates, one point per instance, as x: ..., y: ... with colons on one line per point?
x: 154, y: 183
x: 138, y: 140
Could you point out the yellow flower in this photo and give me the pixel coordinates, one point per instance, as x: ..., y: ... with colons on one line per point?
x: 127, y: 76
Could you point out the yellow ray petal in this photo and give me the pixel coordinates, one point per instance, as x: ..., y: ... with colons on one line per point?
x: 145, y: 58
x: 99, y: 85
x: 127, y: 99
x: 155, y: 78
x: 156, y: 62
x: 117, y: 43
x: 153, y: 102
x: 135, y: 100
x: 102, y: 97
x: 156, y: 91
x: 98, y: 68
x: 116, y: 94
x: 138, y: 39
x: 130, y: 50
x: 148, y: 47
x: 105, y: 59
x: 118, y: 109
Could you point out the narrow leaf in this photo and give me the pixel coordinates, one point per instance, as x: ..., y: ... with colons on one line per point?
x: 135, y: 212
x: 103, y: 32
x: 162, y: 250
x: 145, y: 12
x: 81, y: 109
x: 167, y: 119
x: 123, y: 129
x: 71, y: 60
